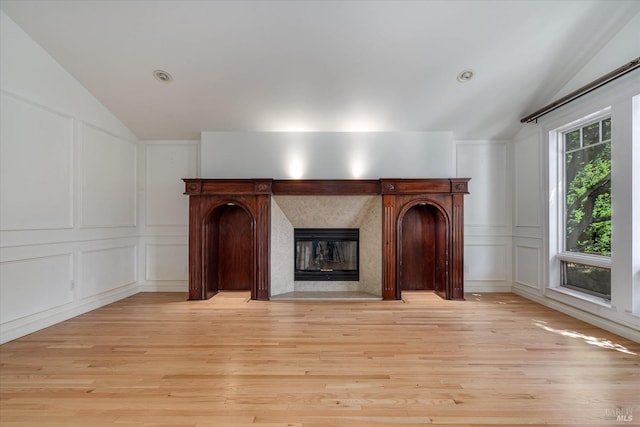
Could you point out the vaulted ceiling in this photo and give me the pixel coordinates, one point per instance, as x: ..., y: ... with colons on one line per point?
x: 322, y: 65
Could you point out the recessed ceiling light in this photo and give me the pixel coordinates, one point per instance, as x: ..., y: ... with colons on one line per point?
x: 162, y: 76
x: 465, y: 76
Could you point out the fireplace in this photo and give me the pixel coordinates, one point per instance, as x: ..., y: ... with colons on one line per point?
x: 325, y: 254
x: 421, y: 222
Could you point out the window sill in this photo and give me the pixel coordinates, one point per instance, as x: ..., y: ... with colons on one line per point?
x: 576, y: 296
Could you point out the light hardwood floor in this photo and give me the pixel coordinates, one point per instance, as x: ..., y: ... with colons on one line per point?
x: 158, y: 360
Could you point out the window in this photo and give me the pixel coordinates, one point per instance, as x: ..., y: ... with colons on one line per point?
x: 585, y: 241
x: 590, y: 260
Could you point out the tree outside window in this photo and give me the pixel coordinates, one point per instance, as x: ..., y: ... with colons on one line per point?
x: 587, y: 209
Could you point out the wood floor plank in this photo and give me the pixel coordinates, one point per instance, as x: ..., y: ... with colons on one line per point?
x: 155, y: 359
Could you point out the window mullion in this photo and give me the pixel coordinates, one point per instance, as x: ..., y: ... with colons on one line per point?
x: 586, y: 259
x: 600, y: 126
x: 582, y: 137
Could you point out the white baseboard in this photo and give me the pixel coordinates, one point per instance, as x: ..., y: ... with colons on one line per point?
x: 479, y: 286
x: 165, y: 286
x: 28, y: 325
x: 592, y: 319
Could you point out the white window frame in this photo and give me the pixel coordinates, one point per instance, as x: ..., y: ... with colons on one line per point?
x: 621, y: 314
x: 557, y: 220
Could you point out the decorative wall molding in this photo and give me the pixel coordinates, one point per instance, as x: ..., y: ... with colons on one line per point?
x: 528, y: 192
x: 12, y: 330
x: 521, y: 260
x: 165, y: 164
x: 37, y: 173
x: 167, y: 262
x: 488, y: 206
x: 96, y: 275
x: 38, y: 284
x: 501, y: 276
x: 106, y: 199
x: 44, y: 114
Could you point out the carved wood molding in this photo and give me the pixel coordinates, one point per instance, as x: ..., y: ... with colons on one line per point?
x: 347, y: 187
x: 326, y: 187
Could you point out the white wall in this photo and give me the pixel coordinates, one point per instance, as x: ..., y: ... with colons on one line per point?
x: 336, y: 155
x: 90, y: 215
x: 164, y: 213
x: 533, y: 194
x: 487, y: 215
x: 327, y: 155
x: 68, y: 232
x: 528, y: 212
x: 622, y: 48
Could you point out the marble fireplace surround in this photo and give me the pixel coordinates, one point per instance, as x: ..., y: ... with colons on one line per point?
x: 362, y: 212
x: 270, y: 209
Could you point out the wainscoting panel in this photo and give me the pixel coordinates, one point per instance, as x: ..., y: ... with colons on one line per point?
x: 63, y: 172
x: 486, y: 205
x: 486, y: 262
x: 528, y: 264
x: 98, y: 270
x: 36, y: 173
x: 166, y: 165
x: 166, y: 262
x: 528, y: 187
x: 108, y: 179
x: 31, y: 286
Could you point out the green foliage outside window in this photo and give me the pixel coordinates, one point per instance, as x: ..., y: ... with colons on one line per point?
x: 587, y: 278
x: 588, y: 189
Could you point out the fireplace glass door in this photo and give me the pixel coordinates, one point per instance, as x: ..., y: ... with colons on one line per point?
x: 323, y: 254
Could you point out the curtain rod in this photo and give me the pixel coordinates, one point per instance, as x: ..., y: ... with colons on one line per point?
x: 618, y: 72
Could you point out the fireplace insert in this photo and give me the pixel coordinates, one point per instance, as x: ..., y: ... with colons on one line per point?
x: 324, y: 254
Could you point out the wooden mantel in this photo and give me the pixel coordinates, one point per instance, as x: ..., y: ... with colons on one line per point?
x: 252, y: 198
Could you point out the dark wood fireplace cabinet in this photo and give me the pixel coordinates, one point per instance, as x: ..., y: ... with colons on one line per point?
x: 422, y: 232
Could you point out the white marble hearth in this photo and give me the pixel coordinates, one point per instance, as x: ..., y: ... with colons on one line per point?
x: 326, y: 296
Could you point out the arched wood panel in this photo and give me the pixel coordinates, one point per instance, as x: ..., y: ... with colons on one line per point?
x: 234, y: 249
x: 227, y: 249
x: 423, y: 249
x: 444, y: 243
